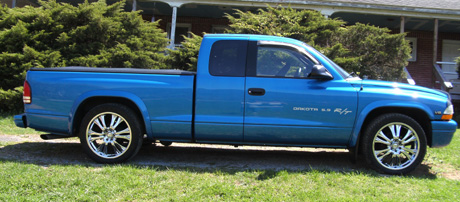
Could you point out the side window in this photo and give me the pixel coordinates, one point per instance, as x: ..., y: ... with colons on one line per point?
x: 273, y: 61
x: 228, y: 58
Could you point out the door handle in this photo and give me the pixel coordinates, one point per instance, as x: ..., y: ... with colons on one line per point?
x: 256, y: 91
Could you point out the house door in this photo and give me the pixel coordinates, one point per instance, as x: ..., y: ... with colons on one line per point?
x: 450, y: 51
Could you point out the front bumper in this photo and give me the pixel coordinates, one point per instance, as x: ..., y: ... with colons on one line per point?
x: 442, y: 132
x: 20, y: 120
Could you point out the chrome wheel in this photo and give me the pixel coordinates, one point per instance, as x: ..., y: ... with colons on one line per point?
x: 396, y: 146
x: 393, y: 143
x: 108, y: 135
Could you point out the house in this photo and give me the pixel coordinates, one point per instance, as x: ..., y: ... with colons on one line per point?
x: 433, y: 27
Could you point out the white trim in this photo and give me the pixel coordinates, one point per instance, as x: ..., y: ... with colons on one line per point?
x: 446, y: 63
x: 455, y: 42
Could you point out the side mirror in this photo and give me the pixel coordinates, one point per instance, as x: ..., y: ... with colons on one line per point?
x: 320, y: 72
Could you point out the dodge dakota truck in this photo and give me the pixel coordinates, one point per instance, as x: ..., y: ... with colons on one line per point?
x: 247, y: 90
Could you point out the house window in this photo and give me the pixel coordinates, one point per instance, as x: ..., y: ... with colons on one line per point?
x: 182, y: 29
x: 413, y: 46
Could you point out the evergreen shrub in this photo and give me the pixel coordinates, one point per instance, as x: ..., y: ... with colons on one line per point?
x: 59, y: 34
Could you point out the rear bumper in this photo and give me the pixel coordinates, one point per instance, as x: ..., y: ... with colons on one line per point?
x: 442, y: 132
x: 20, y: 120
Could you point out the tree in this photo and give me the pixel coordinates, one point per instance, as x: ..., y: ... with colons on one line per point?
x: 365, y: 49
x: 371, y: 51
x: 304, y: 25
x: 59, y: 34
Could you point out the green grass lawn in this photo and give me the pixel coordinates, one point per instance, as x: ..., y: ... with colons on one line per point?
x: 21, y: 181
x: 126, y: 183
x: 449, y: 154
x: 7, y: 126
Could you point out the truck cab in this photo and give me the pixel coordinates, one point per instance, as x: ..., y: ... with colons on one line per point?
x: 261, y: 91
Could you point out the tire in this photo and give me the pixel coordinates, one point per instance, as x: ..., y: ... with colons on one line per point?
x: 394, y: 144
x: 111, y: 133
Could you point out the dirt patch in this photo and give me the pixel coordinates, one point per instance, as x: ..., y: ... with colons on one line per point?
x: 32, y: 149
x: 447, y: 171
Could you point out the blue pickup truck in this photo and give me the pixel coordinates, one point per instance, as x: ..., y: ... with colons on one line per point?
x: 248, y: 90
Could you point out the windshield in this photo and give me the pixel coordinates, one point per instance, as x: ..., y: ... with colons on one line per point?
x: 341, y: 71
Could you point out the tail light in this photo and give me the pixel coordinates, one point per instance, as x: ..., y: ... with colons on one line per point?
x: 27, y: 95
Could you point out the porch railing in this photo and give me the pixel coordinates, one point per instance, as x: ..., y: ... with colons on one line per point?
x: 409, y: 77
x: 446, y: 85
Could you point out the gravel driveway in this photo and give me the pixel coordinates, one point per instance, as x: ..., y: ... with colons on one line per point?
x: 32, y: 149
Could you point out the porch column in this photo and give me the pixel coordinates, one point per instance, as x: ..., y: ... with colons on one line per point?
x: 327, y: 12
x: 403, y: 22
x: 173, y: 26
x: 13, y: 4
x: 435, y: 41
x: 134, y: 5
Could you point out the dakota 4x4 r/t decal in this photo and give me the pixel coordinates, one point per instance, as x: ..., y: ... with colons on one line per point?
x: 312, y: 109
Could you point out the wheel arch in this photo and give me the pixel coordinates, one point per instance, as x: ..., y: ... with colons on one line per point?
x: 86, y: 103
x: 418, y: 114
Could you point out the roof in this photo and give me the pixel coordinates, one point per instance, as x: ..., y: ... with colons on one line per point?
x: 435, y: 8
x: 424, y: 4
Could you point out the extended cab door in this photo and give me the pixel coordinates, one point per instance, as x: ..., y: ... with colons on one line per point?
x: 219, y: 108
x: 284, y: 106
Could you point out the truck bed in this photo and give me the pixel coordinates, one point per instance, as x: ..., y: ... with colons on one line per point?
x: 165, y: 97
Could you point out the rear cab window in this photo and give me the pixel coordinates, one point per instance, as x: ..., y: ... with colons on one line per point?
x: 228, y: 58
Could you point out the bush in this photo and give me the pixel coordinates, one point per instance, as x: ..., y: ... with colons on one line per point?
x: 11, y: 100
x: 59, y: 34
x: 185, y: 57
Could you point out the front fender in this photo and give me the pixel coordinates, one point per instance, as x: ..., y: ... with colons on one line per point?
x: 110, y: 93
x: 364, y: 112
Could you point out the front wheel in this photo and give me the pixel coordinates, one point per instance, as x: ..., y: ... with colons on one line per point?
x: 394, y: 144
x: 111, y: 133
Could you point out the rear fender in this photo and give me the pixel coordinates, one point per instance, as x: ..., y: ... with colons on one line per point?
x: 110, y: 93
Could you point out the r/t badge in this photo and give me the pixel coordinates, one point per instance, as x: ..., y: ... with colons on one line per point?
x: 342, y: 111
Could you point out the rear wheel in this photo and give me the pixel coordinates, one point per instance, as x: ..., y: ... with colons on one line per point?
x: 111, y: 133
x: 394, y: 144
